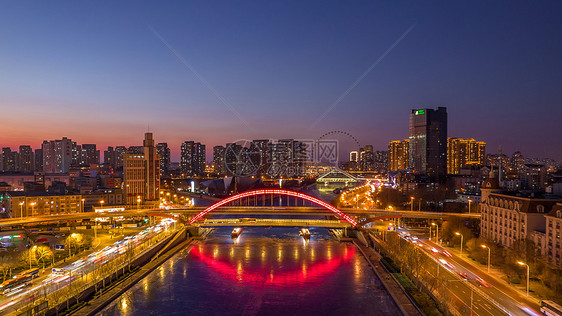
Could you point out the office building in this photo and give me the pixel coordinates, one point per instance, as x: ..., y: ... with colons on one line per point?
x: 192, y: 161
x: 428, y: 142
x: 141, y: 174
x: 398, y: 155
x: 464, y: 152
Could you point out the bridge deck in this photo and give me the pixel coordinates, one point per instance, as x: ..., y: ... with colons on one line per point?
x: 274, y: 222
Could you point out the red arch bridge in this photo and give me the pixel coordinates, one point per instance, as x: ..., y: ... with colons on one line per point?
x: 343, y: 219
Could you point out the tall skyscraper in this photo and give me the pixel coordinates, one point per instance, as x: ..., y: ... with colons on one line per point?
x: 464, y: 152
x: 192, y: 158
x: 26, y: 158
x: 141, y: 174
x: 58, y: 155
x: 398, y: 155
x: 428, y: 142
x: 164, y: 153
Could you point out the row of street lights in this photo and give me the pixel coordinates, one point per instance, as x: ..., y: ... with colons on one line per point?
x: 489, y: 259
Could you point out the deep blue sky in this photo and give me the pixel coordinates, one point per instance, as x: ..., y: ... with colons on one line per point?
x: 96, y: 72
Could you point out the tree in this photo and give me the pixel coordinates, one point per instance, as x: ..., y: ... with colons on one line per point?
x: 8, y: 260
x: 43, y: 254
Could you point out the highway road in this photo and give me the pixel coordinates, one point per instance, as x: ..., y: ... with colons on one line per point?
x: 491, y: 291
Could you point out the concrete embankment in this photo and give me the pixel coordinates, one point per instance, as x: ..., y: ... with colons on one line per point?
x: 398, y: 293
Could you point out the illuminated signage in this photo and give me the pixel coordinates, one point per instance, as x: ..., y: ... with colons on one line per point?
x: 419, y: 112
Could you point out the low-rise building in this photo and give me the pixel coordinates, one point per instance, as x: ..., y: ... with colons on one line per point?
x: 23, y: 204
x: 507, y: 218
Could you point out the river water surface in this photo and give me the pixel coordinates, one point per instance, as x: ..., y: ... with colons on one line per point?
x: 266, y: 271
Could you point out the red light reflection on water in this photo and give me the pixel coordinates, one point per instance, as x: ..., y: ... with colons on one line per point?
x: 305, y: 273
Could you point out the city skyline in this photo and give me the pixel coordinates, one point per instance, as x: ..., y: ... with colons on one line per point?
x: 278, y: 74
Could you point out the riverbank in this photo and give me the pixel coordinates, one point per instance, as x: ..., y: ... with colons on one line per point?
x: 399, y: 295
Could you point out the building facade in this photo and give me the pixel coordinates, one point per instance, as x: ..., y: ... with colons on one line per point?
x: 553, y: 236
x: 398, y: 155
x: 58, y: 155
x: 193, y: 160
x: 218, y: 160
x: 507, y: 218
x: 464, y: 152
x: 164, y: 153
x: 25, y: 204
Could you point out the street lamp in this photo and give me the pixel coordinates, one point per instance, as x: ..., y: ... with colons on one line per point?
x: 411, y: 203
x: 138, y: 202
x: 459, y: 234
x: 437, y: 231
x: 21, y: 209
x: 469, y: 202
x: 33, y: 208
x: 524, y: 264
x: 101, y: 203
x: 489, y: 252
x: 83, y: 200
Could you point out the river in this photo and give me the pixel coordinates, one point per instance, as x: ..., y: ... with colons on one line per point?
x: 266, y: 271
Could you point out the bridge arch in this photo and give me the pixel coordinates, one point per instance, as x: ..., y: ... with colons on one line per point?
x: 274, y: 192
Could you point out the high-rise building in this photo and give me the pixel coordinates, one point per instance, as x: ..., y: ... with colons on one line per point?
x: 119, y: 152
x: 218, y: 160
x: 26, y: 158
x: 398, y: 155
x: 58, y: 155
x: 109, y: 156
x: 141, y: 174
x: 354, y: 156
x: 164, y: 153
x: 10, y: 160
x: 464, y: 152
x: 89, y: 154
x: 38, y: 159
x: 259, y: 154
x: 192, y: 161
x: 428, y: 142
x: 366, y: 158
x: 287, y: 158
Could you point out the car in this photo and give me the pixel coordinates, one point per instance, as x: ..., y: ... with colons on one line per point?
x: 464, y: 275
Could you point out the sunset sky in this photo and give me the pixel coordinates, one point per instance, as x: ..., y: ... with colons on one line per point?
x: 216, y: 72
